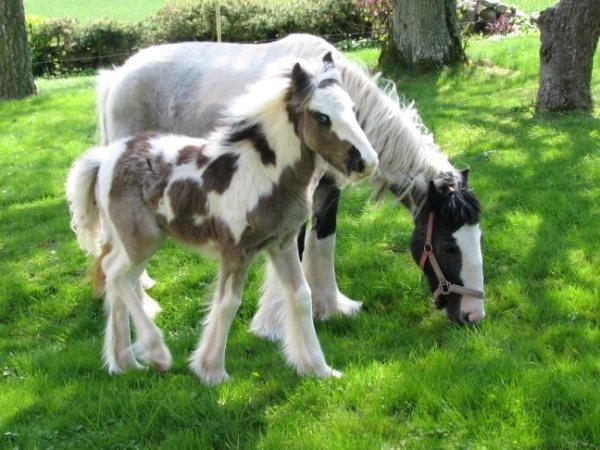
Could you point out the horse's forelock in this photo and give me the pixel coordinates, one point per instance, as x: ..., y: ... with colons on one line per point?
x: 461, y: 207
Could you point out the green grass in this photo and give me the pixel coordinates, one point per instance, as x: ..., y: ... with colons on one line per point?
x: 87, y: 11
x: 529, y: 376
x: 135, y: 10
x: 530, y: 6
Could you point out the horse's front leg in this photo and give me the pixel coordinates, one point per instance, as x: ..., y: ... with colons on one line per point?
x: 300, y: 342
x: 316, y: 250
x: 318, y: 257
x: 208, y: 360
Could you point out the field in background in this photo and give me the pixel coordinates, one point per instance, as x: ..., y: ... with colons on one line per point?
x: 528, y: 377
x: 530, y: 6
x: 135, y: 10
x: 89, y: 10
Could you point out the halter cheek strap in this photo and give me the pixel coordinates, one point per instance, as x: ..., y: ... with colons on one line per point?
x: 444, y: 286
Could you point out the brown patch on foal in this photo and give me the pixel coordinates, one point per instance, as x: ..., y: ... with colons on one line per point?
x: 187, y: 198
x: 190, y: 153
x: 218, y: 174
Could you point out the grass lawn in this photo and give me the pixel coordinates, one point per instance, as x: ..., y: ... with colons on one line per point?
x: 135, y: 10
x: 529, y: 376
x: 87, y: 11
x: 530, y: 6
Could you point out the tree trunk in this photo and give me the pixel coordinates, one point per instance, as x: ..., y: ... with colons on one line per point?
x: 569, y: 34
x: 425, y: 35
x: 16, y: 77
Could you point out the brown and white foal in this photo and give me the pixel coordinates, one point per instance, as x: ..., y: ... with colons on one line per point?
x: 240, y: 190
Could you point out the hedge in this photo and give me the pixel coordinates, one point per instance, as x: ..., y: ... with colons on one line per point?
x: 65, y: 45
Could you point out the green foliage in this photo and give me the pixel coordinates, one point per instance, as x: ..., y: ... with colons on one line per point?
x: 62, y: 45
x: 526, y: 378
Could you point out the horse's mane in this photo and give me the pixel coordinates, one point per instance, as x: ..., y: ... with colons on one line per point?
x: 408, y: 155
x: 271, y: 90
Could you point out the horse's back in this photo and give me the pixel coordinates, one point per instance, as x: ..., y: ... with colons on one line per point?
x: 183, y: 88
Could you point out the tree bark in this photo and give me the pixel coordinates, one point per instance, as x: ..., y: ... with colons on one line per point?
x: 16, y: 77
x: 569, y: 35
x: 425, y: 35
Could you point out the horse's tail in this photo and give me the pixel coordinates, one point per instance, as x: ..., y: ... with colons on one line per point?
x: 81, y: 187
x: 104, y: 82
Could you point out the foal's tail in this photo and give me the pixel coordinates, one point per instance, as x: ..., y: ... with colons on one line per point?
x: 81, y: 186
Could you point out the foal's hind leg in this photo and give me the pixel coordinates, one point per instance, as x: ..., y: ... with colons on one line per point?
x: 117, y: 352
x: 123, y: 277
x: 300, y: 341
x: 146, y: 280
x: 208, y: 360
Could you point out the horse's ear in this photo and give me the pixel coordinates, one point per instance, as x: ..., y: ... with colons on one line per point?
x: 465, y: 177
x: 328, y: 59
x: 300, y: 78
x: 435, y: 197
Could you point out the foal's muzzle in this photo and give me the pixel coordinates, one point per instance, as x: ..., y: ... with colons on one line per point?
x: 355, y: 163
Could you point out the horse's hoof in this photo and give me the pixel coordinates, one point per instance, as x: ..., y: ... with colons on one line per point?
x: 342, y: 305
x: 211, y: 377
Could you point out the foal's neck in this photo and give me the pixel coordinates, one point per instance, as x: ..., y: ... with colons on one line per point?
x: 284, y: 157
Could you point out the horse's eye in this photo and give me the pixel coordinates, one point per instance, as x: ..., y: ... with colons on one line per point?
x: 322, y: 119
x: 450, y: 249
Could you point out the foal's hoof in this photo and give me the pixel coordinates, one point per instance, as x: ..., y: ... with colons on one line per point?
x: 157, y: 355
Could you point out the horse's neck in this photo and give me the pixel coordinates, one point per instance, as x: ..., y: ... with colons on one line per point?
x: 408, y: 155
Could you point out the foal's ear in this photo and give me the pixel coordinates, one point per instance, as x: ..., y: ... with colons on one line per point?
x: 300, y: 78
x: 465, y: 177
x: 435, y: 197
x: 328, y: 59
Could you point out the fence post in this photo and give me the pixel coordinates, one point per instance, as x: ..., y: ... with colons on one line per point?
x: 218, y: 20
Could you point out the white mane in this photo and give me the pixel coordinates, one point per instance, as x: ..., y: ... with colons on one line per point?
x: 271, y: 89
x: 408, y: 155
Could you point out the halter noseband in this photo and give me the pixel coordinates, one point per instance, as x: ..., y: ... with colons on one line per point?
x: 444, y: 286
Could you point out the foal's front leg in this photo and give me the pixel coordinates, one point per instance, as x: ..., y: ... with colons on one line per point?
x: 300, y: 342
x: 208, y: 360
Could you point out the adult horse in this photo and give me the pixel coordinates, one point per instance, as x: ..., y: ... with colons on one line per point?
x: 183, y: 88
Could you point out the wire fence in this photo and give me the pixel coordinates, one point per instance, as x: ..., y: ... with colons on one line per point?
x: 338, y: 38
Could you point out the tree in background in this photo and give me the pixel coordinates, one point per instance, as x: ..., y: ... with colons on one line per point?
x: 424, y: 36
x: 569, y: 34
x: 16, y: 77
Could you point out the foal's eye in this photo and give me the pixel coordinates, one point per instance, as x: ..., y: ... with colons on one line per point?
x: 322, y: 119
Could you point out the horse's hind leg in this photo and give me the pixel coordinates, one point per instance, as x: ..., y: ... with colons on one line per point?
x: 300, y: 341
x: 208, y: 360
